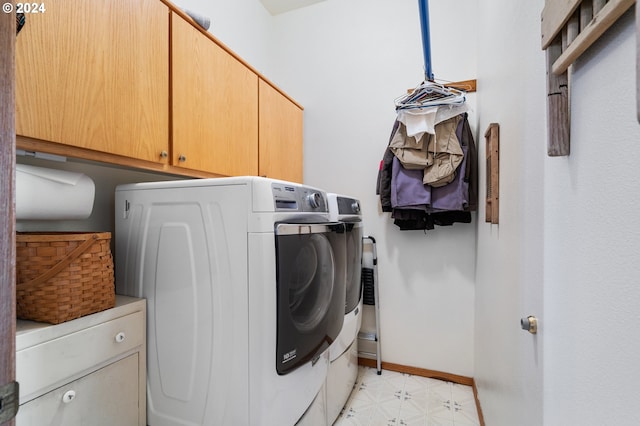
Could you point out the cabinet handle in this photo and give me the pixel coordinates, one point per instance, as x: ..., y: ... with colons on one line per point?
x: 120, y: 337
x: 164, y: 154
x: 182, y: 158
x: 69, y: 396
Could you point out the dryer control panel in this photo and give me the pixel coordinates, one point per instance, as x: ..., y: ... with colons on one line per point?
x: 296, y: 198
x: 348, y: 206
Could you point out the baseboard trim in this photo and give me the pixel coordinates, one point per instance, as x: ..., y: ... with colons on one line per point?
x: 432, y: 374
x: 478, y: 407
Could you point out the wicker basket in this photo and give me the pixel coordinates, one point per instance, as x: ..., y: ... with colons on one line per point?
x: 63, y: 276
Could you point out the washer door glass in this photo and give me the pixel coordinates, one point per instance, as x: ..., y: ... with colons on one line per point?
x: 306, y: 270
x: 310, y: 281
x: 354, y: 265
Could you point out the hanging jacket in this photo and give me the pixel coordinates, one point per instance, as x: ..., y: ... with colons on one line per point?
x: 438, y: 154
x: 455, y: 195
x: 407, y: 189
x: 444, y: 154
x: 411, y: 152
x: 471, y: 166
x: 425, y: 217
x: 383, y: 184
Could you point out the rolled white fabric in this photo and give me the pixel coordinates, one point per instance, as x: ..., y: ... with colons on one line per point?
x: 50, y: 194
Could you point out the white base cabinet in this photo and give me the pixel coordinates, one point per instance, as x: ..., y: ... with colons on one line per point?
x: 106, y: 397
x: 89, y: 371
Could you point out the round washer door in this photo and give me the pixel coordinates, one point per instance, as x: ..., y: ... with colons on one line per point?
x: 311, y: 291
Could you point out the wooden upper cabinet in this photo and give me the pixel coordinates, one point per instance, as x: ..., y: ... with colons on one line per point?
x: 214, y: 105
x: 121, y: 81
x: 95, y: 74
x: 281, y: 135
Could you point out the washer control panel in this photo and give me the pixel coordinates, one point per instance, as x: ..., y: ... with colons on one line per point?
x: 290, y: 197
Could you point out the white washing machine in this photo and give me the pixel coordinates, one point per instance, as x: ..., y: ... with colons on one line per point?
x: 244, y: 281
x: 343, y: 353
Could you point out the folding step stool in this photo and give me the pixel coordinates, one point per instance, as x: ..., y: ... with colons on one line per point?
x: 370, y: 297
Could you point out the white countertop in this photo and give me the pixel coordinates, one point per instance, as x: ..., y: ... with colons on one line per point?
x: 30, y: 333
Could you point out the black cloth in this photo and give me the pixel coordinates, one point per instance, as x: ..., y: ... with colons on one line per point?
x: 471, y: 170
x: 383, y: 185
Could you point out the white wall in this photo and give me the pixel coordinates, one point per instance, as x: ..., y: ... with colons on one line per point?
x: 568, y: 239
x: 509, y: 274
x: 592, y: 245
x: 346, y: 61
x: 243, y: 25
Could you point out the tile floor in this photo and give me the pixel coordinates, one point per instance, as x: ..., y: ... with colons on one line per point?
x: 393, y: 399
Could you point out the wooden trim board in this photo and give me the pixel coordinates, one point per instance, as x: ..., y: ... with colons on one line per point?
x: 7, y: 205
x: 554, y: 15
x: 609, y: 14
x: 558, y: 118
x: 36, y: 145
x: 467, y: 86
x: 492, y: 152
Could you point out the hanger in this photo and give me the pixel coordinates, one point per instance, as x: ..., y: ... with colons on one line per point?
x: 428, y: 94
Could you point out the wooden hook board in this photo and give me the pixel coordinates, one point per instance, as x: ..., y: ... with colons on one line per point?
x: 569, y: 28
x: 492, y: 152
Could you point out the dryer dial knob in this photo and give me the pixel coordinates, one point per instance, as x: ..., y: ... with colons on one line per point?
x: 355, y: 207
x: 314, y: 199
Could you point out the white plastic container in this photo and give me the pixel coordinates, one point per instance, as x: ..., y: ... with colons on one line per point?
x: 50, y: 194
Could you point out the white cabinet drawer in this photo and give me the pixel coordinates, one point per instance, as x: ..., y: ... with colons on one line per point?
x: 106, y: 397
x: 42, y: 367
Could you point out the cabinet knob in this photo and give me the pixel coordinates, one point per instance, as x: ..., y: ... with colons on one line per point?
x: 69, y: 396
x: 182, y: 158
x: 120, y: 337
x: 164, y: 154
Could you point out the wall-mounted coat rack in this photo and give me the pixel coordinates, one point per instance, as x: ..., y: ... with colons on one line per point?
x: 492, y: 153
x: 569, y: 27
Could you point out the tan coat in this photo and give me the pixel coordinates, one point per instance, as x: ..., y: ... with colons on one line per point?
x: 438, y: 154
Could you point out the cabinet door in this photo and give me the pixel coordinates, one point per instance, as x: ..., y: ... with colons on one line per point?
x: 214, y: 105
x: 106, y: 397
x: 280, y: 135
x: 95, y: 74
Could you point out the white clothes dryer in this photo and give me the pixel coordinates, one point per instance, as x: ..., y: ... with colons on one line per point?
x: 343, y: 353
x: 244, y: 281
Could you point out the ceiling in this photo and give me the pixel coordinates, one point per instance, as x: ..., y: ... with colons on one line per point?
x: 276, y: 7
